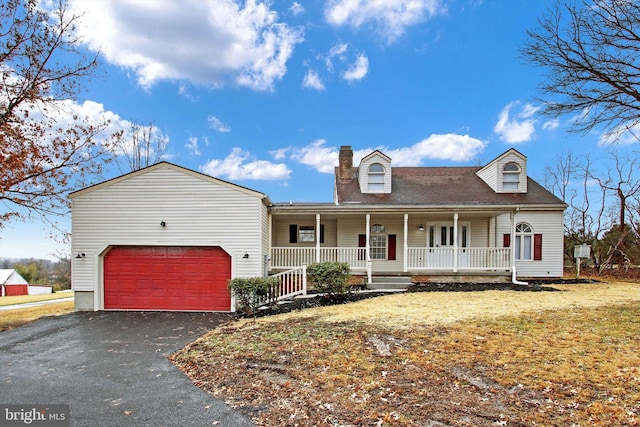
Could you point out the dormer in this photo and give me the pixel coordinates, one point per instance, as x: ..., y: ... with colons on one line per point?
x: 506, y: 173
x: 374, y: 174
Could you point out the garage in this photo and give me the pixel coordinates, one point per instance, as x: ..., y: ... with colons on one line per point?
x: 174, y: 278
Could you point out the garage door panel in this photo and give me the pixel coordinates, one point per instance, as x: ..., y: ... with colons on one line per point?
x: 167, y: 278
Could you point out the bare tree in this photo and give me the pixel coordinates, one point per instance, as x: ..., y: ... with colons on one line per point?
x: 140, y: 146
x: 591, y: 52
x: 46, y: 149
x: 586, y: 218
x: 558, y: 176
x: 622, y: 183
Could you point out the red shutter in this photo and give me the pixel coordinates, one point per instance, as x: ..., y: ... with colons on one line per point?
x: 537, y: 247
x: 506, y: 240
x: 362, y: 243
x: 391, y: 249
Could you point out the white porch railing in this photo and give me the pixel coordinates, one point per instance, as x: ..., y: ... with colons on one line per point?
x: 417, y: 258
x: 292, y: 282
x: 468, y: 258
x: 283, y: 257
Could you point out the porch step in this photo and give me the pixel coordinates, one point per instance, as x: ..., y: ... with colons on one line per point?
x: 389, y: 282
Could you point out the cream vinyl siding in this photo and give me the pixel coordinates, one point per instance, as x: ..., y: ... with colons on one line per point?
x: 509, y: 158
x: 265, y: 234
x: 198, y: 211
x: 281, y: 230
x: 363, y: 172
x: 491, y: 174
x: 550, y: 225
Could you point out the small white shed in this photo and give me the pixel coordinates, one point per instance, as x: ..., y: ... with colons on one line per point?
x: 165, y: 238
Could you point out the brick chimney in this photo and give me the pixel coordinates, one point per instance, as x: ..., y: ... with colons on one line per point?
x: 345, y: 163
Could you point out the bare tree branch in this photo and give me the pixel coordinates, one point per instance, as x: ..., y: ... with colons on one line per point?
x: 591, y: 53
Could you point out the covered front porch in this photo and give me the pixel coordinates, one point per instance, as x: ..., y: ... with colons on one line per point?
x: 408, y: 244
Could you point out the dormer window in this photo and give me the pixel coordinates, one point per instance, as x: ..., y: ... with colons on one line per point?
x: 511, y: 177
x: 376, y: 178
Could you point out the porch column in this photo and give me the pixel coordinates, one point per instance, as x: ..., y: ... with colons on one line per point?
x: 367, y: 249
x: 455, y: 242
x: 512, y: 255
x: 270, y: 253
x: 406, y: 244
x: 317, y: 237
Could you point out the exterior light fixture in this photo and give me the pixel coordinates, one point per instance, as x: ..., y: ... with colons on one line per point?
x: 163, y: 224
x: 421, y: 227
x: 81, y: 255
x: 246, y: 255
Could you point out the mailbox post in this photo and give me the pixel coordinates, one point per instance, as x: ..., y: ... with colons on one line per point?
x: 581, y: 252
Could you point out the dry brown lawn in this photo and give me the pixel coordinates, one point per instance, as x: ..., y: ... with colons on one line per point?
x: 20, y: 316
x: 21, y: 299
x: 434, y: 359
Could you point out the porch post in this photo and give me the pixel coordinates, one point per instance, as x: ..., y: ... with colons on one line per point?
x: 367, y: 249
x: 270, y: 254
x: 406, y: 244
x: 317, y: 237
x: 512, y: 246
x: 455, y: 242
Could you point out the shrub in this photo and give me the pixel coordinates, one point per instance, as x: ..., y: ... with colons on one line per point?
x: 253, y: 292
x: 330, y: 277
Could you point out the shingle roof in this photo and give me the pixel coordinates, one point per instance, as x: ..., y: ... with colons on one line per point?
x: 442, y: 186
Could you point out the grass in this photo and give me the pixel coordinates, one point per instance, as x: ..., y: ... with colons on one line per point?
x: 13, y: 318
x: 22, y: 299
x: 480, y: 358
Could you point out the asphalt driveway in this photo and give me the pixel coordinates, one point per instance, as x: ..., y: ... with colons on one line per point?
x: 111, y: 368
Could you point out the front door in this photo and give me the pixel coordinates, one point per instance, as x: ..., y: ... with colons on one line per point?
x: 440, y: 245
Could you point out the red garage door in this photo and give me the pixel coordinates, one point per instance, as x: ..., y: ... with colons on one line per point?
x: 167, y: 278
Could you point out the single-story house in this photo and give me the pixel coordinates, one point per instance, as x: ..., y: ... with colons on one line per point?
x: 12, y: 283
x: 169, y: 238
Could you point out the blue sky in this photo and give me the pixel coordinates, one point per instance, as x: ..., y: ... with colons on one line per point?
x: 263, y: 94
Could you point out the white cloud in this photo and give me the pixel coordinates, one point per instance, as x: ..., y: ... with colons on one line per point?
x: 450, y: 146
x: 212, y: 43
x: 279, y: 154
x: 337, y: 50
x: 453, y: 147
x: 390, y: 19
x: 218, y: 125
x: 519, y: 129
x: 317, y: 155
x: 312, y: 81
x: 296, y: 8
x: 239, y: 166
x: 192, y: 146
x: 551, y: 124
x: 358, y: 70
x: 625, y: 135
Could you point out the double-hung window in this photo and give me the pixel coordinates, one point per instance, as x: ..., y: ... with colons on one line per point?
x: 511, y: 177
x: 378, y: 242
x: 376, y: 178
x: 524, y: 242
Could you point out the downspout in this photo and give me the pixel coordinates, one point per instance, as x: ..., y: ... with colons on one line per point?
x: 514, y: 280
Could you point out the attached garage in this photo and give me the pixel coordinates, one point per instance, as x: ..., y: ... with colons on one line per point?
x: 165, y: 238
x: 167, y: 278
